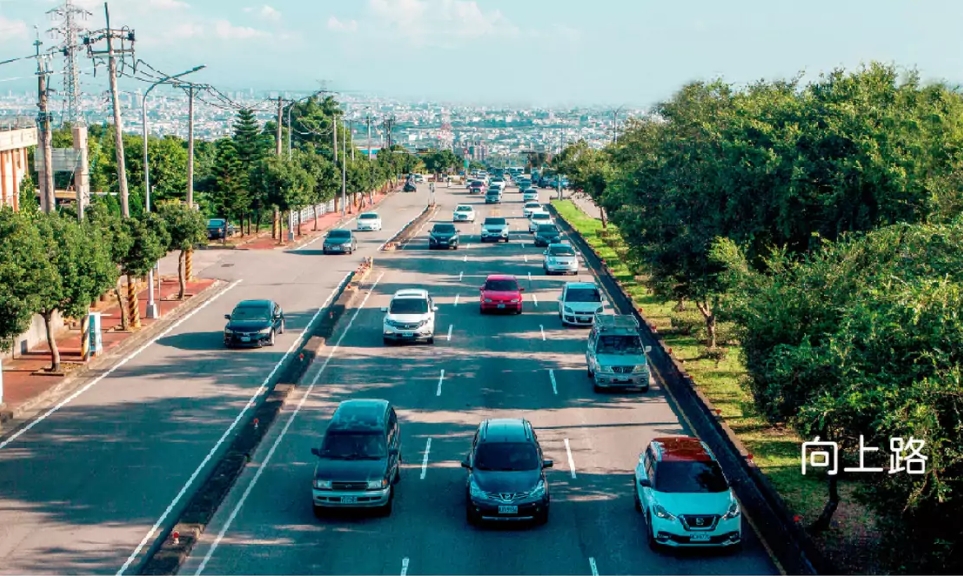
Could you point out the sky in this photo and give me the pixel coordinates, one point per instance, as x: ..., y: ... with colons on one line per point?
x: 507, y: 52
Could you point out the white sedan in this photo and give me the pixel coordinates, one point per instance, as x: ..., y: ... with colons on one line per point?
x: 529, y: 194
x: 463, y: 213
x: 369, y: 221
x: 537, y: 219
x: 530, y: 208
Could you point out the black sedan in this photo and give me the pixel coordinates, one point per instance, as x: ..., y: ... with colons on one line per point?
x: 547, y: 234
x: 254, y: 323
x: 443, y: 235
x: 340, y: 241
x: 218, y: 228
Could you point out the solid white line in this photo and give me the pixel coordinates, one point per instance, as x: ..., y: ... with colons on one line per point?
x: 277, y: 441
x: 456, y: 299
x: 535, y: 299
x: 440, y: 380
x: 542, y: 329
x: 526, y: 257
x: 529, y: 276
x: 595, y: 569
x: 571, y: 461
x: 210, y: 455
x: 113, y: 368
x: 450, y: 328
x: 461, y: 275
x: 465, y: 258
x: 551, y: 374
x: 404, y: 567
x: 424, y: 461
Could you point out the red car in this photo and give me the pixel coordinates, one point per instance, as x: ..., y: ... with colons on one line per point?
x: 501, y: 292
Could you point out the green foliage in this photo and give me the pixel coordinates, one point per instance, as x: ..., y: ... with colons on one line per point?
x: 28, y: 201
x: 149, y: 240
x: 324, y: 174
x: 110, y: 226
x: 282, y: 183
x: 440, y: 161
x: 229, y: 195
x: 185, y: 226
x: 251, y: 145
x: 23, y: 261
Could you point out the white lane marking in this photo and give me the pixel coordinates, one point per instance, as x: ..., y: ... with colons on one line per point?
x: 404, y: 567
x: 571, y: 461
x: 526, y: 257
x: 450, y: 328
x: 284, y: 431
x: 535, y: 300
x: 113, y: 368
x: 227, y: 433
x: 529, y: 276
x: 440, y: 380
x: 461, y: 275
x: 465, y: 258
x: 424, y: 461
x: 551, y: 374
x: 542, y: 330
x: 467, y: 246
x: 595, y: 569
x: 456, y: 299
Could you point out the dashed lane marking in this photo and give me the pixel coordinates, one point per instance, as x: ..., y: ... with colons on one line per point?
x: 571, y: 461
x: 456, y: 299
x: 535, y: 300
x: 542, y: 330
x: 461, y: 275
x: 450, y: 328
x: 424, y: 461
x: 404, y: 567
x: 595, y: 569
x: 440, y: 380
x: 551, y: 374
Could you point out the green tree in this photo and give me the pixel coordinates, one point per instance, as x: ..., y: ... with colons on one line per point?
x: 149, y: 240
x: 588, y: 169
x: 229, y: 195
x: 283, y: 184
x: 326, y: 178
x: 185, y: 228
x: 23, y: 264
x: 106, y: 219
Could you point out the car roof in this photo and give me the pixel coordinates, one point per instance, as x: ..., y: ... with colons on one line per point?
x: 501, y: 277
x: 411, y: 293
x: 254, y: 304
x: 505, y: 430
x: 681, y: 449
x: 359, y: 414
x: 530, y: 202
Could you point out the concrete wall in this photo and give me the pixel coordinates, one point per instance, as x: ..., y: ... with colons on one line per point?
x: 34, y: 335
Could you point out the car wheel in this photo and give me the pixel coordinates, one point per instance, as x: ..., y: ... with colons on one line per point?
x: 431, y: 340
x: 481, y: 311
x: 471, y: 517
x: 318, y: 511
x: 271, y: 338
x: 386, y: 509
x: 650, y: 537
x: 397, y: 479
x: 542, y: 519
x: 387, y: 341
x: 519, y: 311
x: 281, y: 329
x: 591, y: 374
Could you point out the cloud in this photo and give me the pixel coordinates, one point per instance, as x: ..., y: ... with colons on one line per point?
x: 227, y: 31
x: 339, y: 26
x: 187, y: 30
x: 168, y: 4
x: 266, y: 12
x: 12, y: 29
x: 443, y: 22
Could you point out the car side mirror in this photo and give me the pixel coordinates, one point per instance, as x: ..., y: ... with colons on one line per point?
x: 648, y: 349
x: 316, y: 452
x: 545, y: 253
x: 465, y: 464
x: 227, y: 316
x: 548, y: 463
x: 644, y: 482
x: 481, y: 289
x: 392, y: 452
x: 521, y: 289
x: 384, y: 308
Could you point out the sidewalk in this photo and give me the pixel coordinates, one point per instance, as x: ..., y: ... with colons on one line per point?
x: 585, y: 203
x: 26, y: 383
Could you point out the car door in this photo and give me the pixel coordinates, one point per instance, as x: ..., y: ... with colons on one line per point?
x: 561, y: 299
x: 394, y: 443
x: 431, y: 313
x: 590, y: 347
x: 471, y: 460
x: 276, y: 316
x: 645, y: 492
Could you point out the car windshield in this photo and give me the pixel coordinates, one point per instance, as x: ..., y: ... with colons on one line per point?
x: 494, y: 221
x: 251, y: 314
x: 215, y: 222
x: 532, y: 205
x: 688, y: 477
x: 540, y: 216
x: 444, y: 228
x: 583, y: 295
x: 624, y: 345
x: 561, y: 251
x: 547, y: 229
x: 506, y: 457
x: 339, y: 234
x: 463, y: 209
x: 477, y: 183
x: 353, y: 446
x: 368, y: 216
x: 502, y: 285
x: 409, y: 306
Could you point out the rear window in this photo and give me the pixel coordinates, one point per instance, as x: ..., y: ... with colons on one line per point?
x: 215, y: 222
x: 547, y: 228
x: 540, y: 216
x: 502, y: 285
x: 689, y: 477
x: 495, y: 222
x: 339, y: 234
x: 463, y: 209
x: 532, y: 205
x: 444, y: 228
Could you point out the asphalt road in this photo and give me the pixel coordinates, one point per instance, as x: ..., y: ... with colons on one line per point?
x: 82, y: 490
x: 492, y: 366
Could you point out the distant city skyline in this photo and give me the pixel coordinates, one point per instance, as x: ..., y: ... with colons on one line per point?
x: 501, y: 52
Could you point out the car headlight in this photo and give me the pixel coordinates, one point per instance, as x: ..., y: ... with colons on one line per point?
x: 228, y: 331
x: 640, y: 369
x: 732, y: 512
x: 605, y: 369
x: 662, y: 513
x: 377, y: 484
x: 475, y: 491
x: 514, y: 301
x: 568, y: 310
x: 423, y: 323
x: 265, y: 331
x: 539, y: 490
x: 322, y: 484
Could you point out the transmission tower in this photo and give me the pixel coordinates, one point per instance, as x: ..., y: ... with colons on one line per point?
x: 69, y: 30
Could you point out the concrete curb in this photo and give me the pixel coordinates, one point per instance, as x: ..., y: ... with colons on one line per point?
x: 13, y: 420
x: 784, y: 537
x: 405, y: 232
x: 167, y: 553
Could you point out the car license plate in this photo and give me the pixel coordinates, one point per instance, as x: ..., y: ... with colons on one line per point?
x: 349, y: 499
x: 508, y: 509
x: 407, y: 334
x: 700, y: 537
x: 501, y: 305
x: 245, y: 339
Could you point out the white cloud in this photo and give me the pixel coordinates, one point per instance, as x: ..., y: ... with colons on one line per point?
x: 168, y: 4
x: 227, y: 31
x: 266, y: 12
x: 187, y: 30
x: 339, y: 26
x: 12, y: 29
x: 440, y: 21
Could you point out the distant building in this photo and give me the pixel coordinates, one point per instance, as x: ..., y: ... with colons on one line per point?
x: 15, y: 137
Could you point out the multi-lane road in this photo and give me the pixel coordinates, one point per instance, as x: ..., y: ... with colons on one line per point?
x: 87, y: 488
x: 479, y: 367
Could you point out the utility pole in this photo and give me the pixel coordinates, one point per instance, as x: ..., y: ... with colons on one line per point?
x: 70, y: 31
x: 368, y: 144
x: 344, y: 174
x: 351, y: 133
x: 334, y: 123
x: 126, y: 38
x: 615, y: 124
x: 277, y: 147
x: 48, y: 201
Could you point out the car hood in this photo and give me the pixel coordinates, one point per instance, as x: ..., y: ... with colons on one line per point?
x: 501, y: 295
x: 443, y: 234
x: 369, y: 221
x: 406, y: 318
x: 495, y: 227
x: 694, y: 503
x: 506, y: 482
x: 248, y: 325
x: 586, y: 307
x: 350, y: 470
x: 620, y: 359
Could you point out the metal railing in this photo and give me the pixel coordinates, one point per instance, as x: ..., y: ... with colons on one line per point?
x: 17, y: 123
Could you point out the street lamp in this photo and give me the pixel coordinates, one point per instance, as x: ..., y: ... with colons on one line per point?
x: 152, y: 310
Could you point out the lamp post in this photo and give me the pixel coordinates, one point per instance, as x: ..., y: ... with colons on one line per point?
x: 152, y: 309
